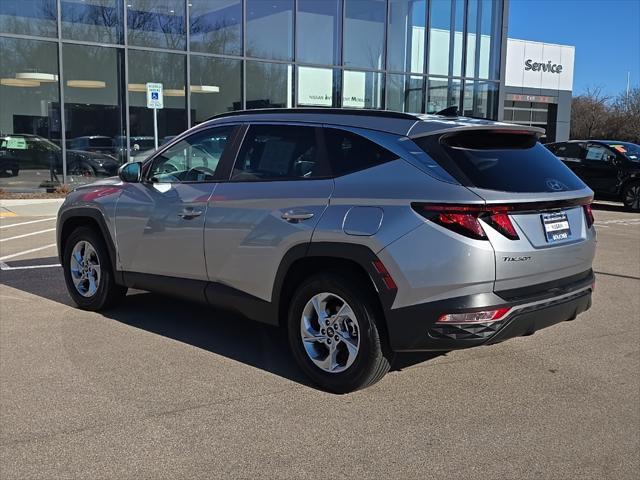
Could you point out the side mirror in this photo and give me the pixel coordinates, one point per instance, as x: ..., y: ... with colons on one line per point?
x: 130, y: 172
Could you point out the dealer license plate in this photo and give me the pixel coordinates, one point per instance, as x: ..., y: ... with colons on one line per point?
x: 556, y: 226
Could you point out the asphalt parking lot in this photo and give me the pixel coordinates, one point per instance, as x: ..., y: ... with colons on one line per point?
x: 159, y: 388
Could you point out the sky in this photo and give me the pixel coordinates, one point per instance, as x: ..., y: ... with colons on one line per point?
x: 606, y: 34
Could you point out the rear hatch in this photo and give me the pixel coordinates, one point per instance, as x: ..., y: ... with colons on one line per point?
x: 537, y: 213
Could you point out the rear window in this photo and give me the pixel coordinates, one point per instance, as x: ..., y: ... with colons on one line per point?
x: 509, y: 162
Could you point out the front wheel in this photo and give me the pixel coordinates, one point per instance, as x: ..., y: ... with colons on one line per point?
x: 631, y: 196
x: 88, y: 273
x: 333, y: 333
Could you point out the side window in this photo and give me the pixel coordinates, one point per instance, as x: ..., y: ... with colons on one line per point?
x: 597, y: 152
x: 278, y: 152
x: 349, y: 152
x: 194, y: 159
x: 567, y: 151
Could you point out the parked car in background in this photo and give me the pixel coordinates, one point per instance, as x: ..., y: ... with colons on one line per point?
x: 610, y: 168
x: 141, y: 155
x: 26, y: 151
x: 136, y: 144
x: 93, y: 143
x: 362, y: 233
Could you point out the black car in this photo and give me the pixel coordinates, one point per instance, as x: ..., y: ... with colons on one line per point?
x: 610, y: 168
x: 32, y: 152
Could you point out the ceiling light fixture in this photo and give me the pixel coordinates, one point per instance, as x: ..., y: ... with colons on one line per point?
x: 38, y: 77
x: 86, y: 84
x: 17, y: 82
x: 205, y: 89
x: 173, y: 92
x: 137, y: 87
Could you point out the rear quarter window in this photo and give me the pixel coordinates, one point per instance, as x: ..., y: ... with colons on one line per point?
x: 509, y: 162
x: 349, y: 152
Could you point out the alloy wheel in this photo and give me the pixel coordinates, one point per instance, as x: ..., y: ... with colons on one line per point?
x: 330, y: 332
x: 632, y: 197
x: 85, y: 268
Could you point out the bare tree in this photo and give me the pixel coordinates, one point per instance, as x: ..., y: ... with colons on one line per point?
x: 589, y: 114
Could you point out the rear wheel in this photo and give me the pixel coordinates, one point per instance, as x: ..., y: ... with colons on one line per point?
x: 631, y: 196
x: 88, y: 273
x: 334, y: 335
x: 14, y: 172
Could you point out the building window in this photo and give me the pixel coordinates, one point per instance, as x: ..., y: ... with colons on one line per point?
x: 404, y: 93
x: 94, y: 117
x: 156, y: 23
x: 269, y: 85
x: 364, y: 24
x: 362, y: 89
x: 442, y: 93
x: 490, y: 40
x: 32, y: 17
x: 95, y: 20
x: 155, y: 67
x: 318, y: 31
x: 215, y: 87
x: 317, y: 86
x: 30, y: 130
x: 216, y: 26
x: 406, y: 34
x: 270, y: 29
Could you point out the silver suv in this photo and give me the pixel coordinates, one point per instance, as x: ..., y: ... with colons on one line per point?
x: 363, y: 233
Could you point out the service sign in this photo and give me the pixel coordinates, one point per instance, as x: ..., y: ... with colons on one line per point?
x: 154, y: 96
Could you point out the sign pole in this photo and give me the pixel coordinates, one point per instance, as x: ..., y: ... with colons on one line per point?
x: 155, y: 127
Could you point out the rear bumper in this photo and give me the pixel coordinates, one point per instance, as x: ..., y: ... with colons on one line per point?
x: 414, y: 328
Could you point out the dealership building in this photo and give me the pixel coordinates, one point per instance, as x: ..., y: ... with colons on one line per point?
x: 74, y: 73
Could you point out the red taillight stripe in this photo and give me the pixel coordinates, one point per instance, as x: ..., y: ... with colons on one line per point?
x: 385, y: 275
x: 588, y: 214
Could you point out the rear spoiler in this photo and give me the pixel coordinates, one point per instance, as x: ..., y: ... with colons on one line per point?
x: 423, y: 129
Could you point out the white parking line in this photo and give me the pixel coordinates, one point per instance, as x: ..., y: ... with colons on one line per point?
x: 27, y: 235
x: 13, y: 255
x: 4, y: 266
x: 27, y: 223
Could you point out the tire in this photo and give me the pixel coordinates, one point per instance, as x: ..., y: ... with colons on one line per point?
x: 352, y: 371
x: 106, y: 293
x: 14, y: 172
x: 82, y: 170
x: 631, y: 196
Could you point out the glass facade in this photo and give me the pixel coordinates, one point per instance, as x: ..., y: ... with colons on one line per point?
x: 73, y: 73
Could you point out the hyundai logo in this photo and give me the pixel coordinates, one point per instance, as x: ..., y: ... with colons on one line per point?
x: 555, y: 185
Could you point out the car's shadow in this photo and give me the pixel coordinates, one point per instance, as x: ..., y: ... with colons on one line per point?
x: 221, y: 332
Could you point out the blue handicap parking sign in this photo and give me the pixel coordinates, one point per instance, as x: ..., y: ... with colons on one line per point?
x: 154, y: 95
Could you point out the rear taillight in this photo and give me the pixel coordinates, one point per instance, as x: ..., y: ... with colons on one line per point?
x: 463, y: 219
x: 588, y: 214
x: 486, y: 316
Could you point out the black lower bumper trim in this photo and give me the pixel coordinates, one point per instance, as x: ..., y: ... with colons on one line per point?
x: 414, y: 328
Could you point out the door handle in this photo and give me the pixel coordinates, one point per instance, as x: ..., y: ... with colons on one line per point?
x: 295, y: 216
x: 189, y: 213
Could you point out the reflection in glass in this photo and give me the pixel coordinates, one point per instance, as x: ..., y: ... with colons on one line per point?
x: 269, y: 85
x: 318, y: 30
x: 439, y: 37
x: 316, y: 87
x: 472, y: 29
x: 156, y: 23
x: 404, y: 93
x: 215, y: 87
x: 156, y: 67
x: 405, y: 38
x: 216, y: 26
x: 481, y: 99
x: 28, y: 17
x: 364, y: 33
x: 93, y: 111
x: 270, y: 29
x: 362, y: 89
x: 30, y: 114
x: 92, y: 20
x: 490, y: 39
x: 442, y: 93
x: 458, y: 37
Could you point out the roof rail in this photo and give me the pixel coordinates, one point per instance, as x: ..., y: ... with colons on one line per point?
x: 320, y: 110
